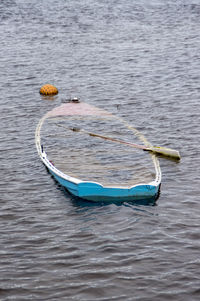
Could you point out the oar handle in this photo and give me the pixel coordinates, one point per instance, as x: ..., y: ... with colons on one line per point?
x: 116, y: 140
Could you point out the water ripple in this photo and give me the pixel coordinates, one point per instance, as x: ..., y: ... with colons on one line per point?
x: 141, y: 62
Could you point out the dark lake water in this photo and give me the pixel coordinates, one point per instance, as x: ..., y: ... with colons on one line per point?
x: 141, y: 61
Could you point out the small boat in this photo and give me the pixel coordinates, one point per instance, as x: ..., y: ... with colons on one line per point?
x: 81, y: 146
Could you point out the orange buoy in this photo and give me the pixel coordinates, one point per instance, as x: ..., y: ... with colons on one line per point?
x: 48, y: 90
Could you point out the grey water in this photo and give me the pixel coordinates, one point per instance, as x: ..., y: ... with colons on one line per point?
x: 141, y: 61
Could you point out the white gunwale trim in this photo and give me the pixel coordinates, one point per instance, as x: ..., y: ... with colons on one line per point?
x: 76, y: 181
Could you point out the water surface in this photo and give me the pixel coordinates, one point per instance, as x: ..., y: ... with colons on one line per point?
x: 139, y: 60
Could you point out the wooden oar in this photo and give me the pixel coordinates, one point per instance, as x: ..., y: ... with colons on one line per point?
x: 164, y: 151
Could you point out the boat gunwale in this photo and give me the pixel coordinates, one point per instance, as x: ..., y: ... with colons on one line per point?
x: 156, y: 182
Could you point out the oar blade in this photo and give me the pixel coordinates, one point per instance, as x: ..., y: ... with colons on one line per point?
x: 167, y: 152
